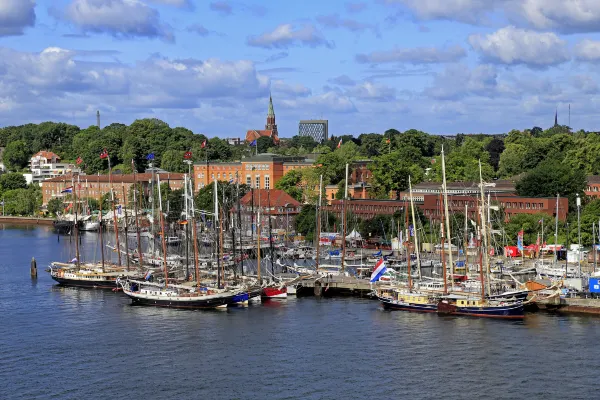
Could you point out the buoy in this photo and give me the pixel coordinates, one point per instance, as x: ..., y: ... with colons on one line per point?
x: 33, y: 268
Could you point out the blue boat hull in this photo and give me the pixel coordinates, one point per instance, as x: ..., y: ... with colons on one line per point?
x: 390, y: 304
x: 509, y: 311
x: 240, y: 298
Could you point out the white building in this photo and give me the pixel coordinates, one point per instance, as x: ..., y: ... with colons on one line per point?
x: 45, y: 165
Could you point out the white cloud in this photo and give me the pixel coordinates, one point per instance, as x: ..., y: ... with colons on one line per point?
x: 119, y: 18
x: 417, y: 55
x: 566, y: 16
x: 588, y: 50
x: 327, y: 102
x: 469, y: 11
x: 175, y: 3
x: 585, y: 83
x: 221, y: 7
x: 335, y: 21
x: 458, y: 81
x: 355, y: 7
x: 288, y: 35
x: 513, y: 46
x: 293, y: 90
x: 15, y: 16
x: 371, y: 91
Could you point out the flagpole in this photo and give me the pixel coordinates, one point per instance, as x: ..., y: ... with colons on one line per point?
x: 115, y: 222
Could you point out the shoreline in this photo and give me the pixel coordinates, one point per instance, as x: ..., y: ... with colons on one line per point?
x: 26, y: 220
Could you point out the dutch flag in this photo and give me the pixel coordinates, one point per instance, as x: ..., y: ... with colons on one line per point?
x: 148, y: 275
x: 379, y: 270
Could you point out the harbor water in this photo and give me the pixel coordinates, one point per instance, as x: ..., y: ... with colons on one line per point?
x: 66, y: 343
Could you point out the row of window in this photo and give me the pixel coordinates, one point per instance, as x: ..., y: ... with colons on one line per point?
x: 521, y: 205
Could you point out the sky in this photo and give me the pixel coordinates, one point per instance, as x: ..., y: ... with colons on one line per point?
x: 441, y: 66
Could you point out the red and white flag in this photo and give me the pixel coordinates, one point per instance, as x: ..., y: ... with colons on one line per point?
x: 203, y: 145
x: 104, y: 154
x: 79, y: 160
x: 339, y: 144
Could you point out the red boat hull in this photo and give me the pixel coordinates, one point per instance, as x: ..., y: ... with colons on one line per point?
x: 274, y: 293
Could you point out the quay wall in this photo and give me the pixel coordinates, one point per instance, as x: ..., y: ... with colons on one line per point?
x: 26, y: 220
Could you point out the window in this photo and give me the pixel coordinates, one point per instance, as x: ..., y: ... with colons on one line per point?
x: 257, y: 181
x: 202, y: 175
x: 267, y: 182
x: 249, y: 180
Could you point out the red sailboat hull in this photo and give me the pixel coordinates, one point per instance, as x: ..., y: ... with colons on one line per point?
x: 274, y: 293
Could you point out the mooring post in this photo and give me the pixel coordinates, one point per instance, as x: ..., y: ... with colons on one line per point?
x: 33, y: 268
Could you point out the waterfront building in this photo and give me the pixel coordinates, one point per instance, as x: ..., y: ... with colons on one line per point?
x: 432, y: 204
x: 259, y: 172
x: 270, y: 127
x: 359, y: 182
x: 46, y: 164
x: 275, y: 204
x: 95, y: 186
x: 593, y: 186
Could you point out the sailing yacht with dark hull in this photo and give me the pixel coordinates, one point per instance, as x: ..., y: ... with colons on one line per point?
x: 86, y: 276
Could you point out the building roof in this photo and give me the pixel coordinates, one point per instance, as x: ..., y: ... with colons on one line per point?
x: 118, y: 178
x: 498, y: 185
x: 593, y: 179
x: 270, y: 198
x: 48, y: 155
x: 254, y: 134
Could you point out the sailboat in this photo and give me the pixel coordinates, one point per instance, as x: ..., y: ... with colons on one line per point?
x: 402, y: 299
x: 174, y: 296
x: 460, y: 304
x: 274, y: 290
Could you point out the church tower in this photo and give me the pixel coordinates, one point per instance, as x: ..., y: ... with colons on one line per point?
x: 271, y: 125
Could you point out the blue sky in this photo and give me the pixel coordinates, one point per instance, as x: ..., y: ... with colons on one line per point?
x: 442, y: 66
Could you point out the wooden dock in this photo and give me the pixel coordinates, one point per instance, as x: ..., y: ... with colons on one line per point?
x: 571, y: 305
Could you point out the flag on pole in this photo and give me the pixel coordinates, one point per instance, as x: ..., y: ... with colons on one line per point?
x: 148, y: 275
x: 253, y: 143
x: 411, y: 229
x: 339, y: 144
x: 203, y: 145
x: 388, y: 141
x: 67, y: 190
x: 379, y: 270
x: 79, y: 160
x: 187, y: 155
x: 104, y: 154
x: 119, y: 210
x: 150, y: 156
x: 74, y: 260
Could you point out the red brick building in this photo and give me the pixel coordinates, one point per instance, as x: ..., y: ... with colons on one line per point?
x: 593, y: 186
x: 277, y: 204
x: 95, y: 186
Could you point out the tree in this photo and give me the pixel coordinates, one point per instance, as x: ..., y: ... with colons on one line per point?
x: 391, y: 172
x: 306, y: 221
x: 495, y: 148
x: 172, y: 161
x: 371, y: 143
x: 22, y: 201
x: 11, y: 181
x: 204, y: 199
x: 218, y: 149
x: 55, y: 205
x: 263, y: 143
x: 16, y: 155
x: 551, y: 177
x: 305, y: 142
x: 290, y: 183
x: 511, y: 160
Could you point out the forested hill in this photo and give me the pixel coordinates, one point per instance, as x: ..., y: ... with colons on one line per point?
x: 539, y: 154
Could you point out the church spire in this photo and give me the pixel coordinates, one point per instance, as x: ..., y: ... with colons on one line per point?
x: 556, y: 117
x: 271, y: 112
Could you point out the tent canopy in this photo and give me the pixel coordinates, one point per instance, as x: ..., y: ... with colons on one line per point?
x: 354, y: 235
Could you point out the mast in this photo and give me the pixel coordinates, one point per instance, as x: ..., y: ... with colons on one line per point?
x: 489, y: 245
x: 112, y: 194
x: 344, y: 219
x: 239, y: 213
x: 556, y: 231
x: 466, y: 239
x: 217, y: 220
x: 483, y: 234
x: 319, y: 221
x: 447, y: 214
x: 101, y: 233
x: 258, y: 239
x: 126, y: 227
x: 76, y: 226
x: 443, y: 252
x: 414, y: 221
x: 220, y: 252
x: 137, y: 225
x: 479, y: 235
x: 408, y: 242
x: 163, y: 234
x: 187, y: 229
x: 270, y: 233
x: 152, y: 219
x: 194, y: 237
